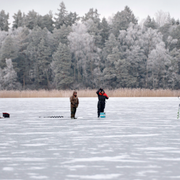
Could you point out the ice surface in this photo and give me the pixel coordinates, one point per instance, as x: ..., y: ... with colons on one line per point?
x: 138, y: 140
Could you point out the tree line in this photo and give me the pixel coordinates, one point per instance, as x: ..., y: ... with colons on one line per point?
x: 66, y: 51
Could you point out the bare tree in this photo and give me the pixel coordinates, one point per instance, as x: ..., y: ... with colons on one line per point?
x: 162, y: 18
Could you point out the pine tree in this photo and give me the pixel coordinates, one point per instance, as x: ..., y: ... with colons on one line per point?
x: 109, y: 71
x: 44, y: 60
x: 32, y: 19
x: 18, y: 20
x: 122, y: 19
x: 9, y: 50
x: 21, y: 64
x: 72, y: 18
x: 4, y: 25
x: 47, y: 22
x: 35, y: 38
x: 150, y: 23
x: 61, y: 67
x: 105, y: 31
x: 108, y: 49
x: 60, y: 35
x: 61, y: 18
x: 92, y: 22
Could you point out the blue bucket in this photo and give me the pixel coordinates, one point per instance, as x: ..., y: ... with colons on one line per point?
x: 102, y: 115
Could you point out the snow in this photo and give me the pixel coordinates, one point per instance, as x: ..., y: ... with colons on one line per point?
x: 138, y: 139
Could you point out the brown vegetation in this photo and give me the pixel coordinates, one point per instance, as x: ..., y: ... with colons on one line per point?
x: 90, y: 93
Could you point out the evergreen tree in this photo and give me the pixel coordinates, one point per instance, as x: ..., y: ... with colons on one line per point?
x: 10, y: 77
x: 3, y: 35
x: 61, y: 18
x: 150, y: 23
x: 108, y: 49
x: 105, y: 31
x: 158, y: 66
x: 122, y: 19
x: 61, y: 67
x: 85, y: 56
x: 175, y: 33
x: 92, y: 22
x: 109, y: 72
x: 32, y: 53
x: 21, y: 63
x: 32, y: 19
x: 44, y: 60
x: 18, y: 20
x: 9, y: 50
x: 47, y: 22
x: 60, y: 35
x: 4, y: 25
x: 72, y: 18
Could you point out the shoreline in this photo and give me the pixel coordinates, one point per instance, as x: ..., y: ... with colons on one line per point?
x: 123, y: 92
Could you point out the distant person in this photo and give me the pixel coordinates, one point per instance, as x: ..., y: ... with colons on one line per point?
x: 102, y: 96
x: 74, y: 104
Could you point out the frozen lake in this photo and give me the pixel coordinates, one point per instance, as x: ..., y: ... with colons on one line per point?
x: 138, y: 140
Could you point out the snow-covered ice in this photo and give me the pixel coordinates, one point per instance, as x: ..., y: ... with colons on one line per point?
x: 138, y: 140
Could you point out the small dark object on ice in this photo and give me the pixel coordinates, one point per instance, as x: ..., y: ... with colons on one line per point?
x: 6, y: 115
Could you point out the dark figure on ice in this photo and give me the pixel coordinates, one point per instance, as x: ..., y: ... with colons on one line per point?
x: 102, y: 96
x: 74, y: 104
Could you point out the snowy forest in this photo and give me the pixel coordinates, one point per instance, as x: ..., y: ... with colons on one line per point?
x: 66, y: 51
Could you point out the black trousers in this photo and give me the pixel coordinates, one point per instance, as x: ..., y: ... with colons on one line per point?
x: 100, y: 107
x: 73, y: 112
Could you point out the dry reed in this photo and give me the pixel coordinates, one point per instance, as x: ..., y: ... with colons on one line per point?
x: 90, y: 93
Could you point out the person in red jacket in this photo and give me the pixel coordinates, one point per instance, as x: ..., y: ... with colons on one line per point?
x: 102, y: 96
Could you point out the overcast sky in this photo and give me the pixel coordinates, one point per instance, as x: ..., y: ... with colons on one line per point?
x: 106, y: 8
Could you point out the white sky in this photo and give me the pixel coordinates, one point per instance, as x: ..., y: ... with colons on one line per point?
x: 106, y: 8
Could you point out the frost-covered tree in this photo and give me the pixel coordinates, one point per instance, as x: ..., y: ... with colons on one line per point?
x: 105, y: 31
x: 1, y: 79
x: 32, y: 19
x: 34, y: 39
x: 61, y: 16
x: 37, y: 49
x: 162, y: 18
x: 122, y: 19
x: 61, y: 67
x: 21, y: 63
x: 47, y: 22
x: 150, y: 23
x: 109, y: 45
x: 60, y: 35
x: 175, y: 34
x: 136, y: 44
x: 4, y: 24
x: 8, y: 50
x: 3, y: 35
x: 109, y: 72
x: 85, y: 56
x: 19, y: 18
x: 93, y: 24
x: 9, y: 77
x: 158, y: 67
x: 44, y: 59
x: 72, y: 18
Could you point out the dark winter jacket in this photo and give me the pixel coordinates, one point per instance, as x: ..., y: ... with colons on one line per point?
x: 102, y: 96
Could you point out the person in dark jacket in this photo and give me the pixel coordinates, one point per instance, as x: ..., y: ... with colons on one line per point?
x: 102, y: 96
x: 74, y: 104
